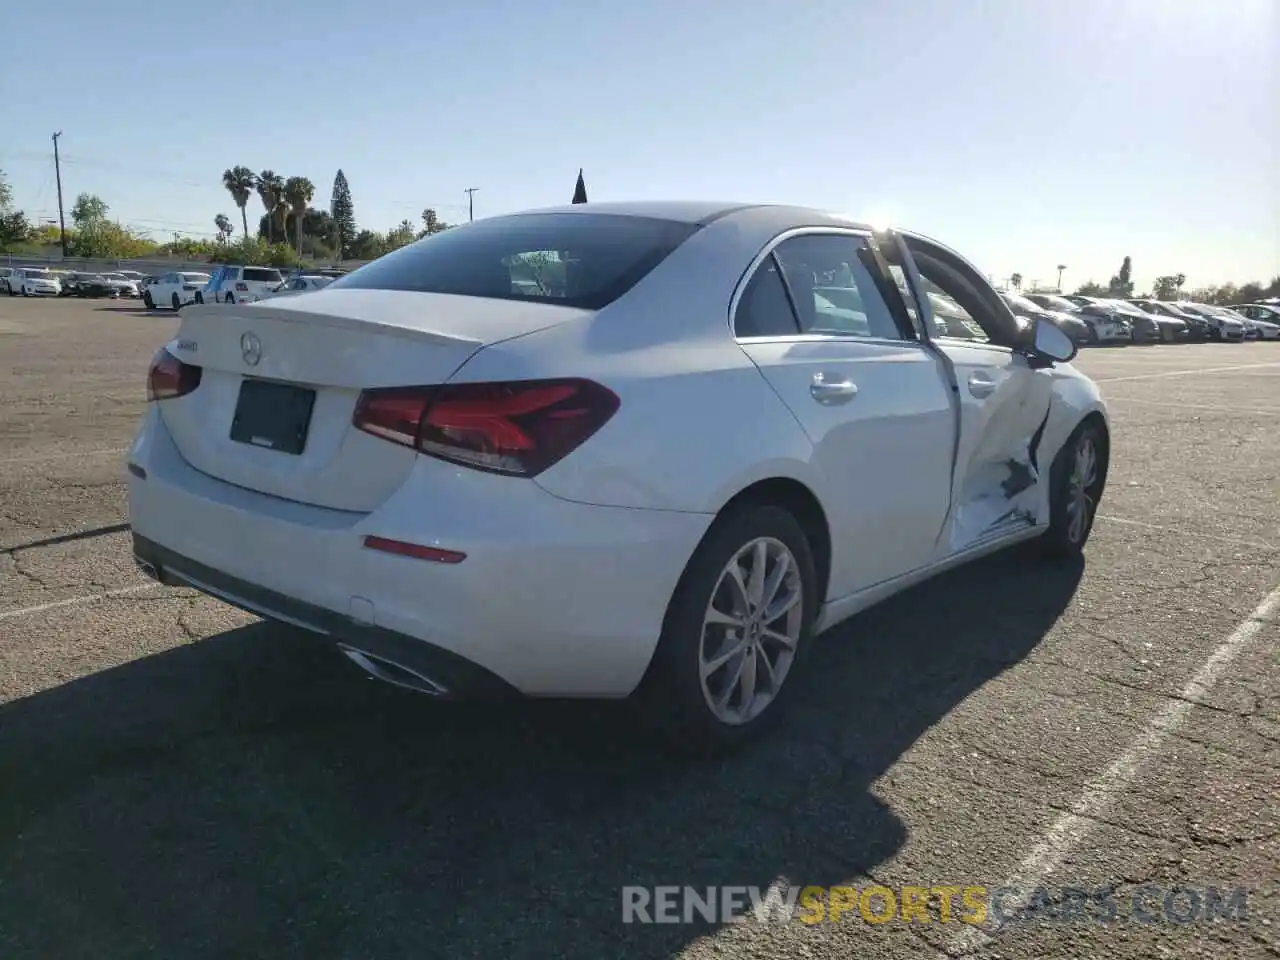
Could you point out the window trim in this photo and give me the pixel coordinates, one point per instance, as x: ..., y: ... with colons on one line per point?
x: 905, y: 238
x: 768, y: 252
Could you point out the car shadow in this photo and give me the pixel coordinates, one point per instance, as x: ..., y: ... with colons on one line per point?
x: 133, y: 309
x: 252, y: 794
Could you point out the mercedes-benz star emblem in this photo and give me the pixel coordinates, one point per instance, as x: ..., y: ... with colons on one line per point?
x: 250, y: 348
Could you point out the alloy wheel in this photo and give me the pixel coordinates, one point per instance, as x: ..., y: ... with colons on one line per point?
x: 750, y: 631
x: 1081, y: 488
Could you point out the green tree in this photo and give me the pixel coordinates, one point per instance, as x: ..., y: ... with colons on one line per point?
x: 107, y: 239
x: 367, y: 245
x: 240, y: 183
x: 1122, y: 283
x: 14, y: 230
x: 225, y: 229
x: 6, y: 193
x: 89, y: 209
x: 400, y: 236
x: 298, y: 192
x: 1015, y: 281
x: 343, y: 212
x: 270, y: 188
x: 1249, y: 293
x: 1165, y: 288
x: 1092, y: 289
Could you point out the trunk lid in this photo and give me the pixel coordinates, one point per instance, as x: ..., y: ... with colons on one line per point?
x: 334, y: 343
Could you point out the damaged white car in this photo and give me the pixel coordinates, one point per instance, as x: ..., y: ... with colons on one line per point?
x: 612, y: 449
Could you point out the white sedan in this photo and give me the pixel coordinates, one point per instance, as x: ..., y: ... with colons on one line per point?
x: 707, y: 434
x: 296, y: 285
x: 173, y: 290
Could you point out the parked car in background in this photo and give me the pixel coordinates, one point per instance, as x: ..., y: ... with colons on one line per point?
x: 234, y: 284
x: 88, y: 285
x: 174, y: 290
x: 1216, y: 326
x: 1068, y: 322
x: 135, y: 275
x: 296, y: 285
x: 1198, y: 328
x: 1212, y: 314
x: 1107, y: 325
x: 446, y: 478
x: 34, y: 282
x: 1264, y: 315
x: 5, y: 274
x: 122, y: 284
x: 1147, y: 328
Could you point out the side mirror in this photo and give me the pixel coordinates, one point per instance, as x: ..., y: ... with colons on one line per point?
x: 1049, y: 344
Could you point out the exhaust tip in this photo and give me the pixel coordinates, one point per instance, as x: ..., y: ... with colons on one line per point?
x: 396, y: 674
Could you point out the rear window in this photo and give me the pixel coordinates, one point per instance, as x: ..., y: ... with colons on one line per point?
x: 258, y: 275
x: 572, y: 259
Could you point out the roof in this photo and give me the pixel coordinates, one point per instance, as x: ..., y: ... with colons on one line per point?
x: 704, y: 211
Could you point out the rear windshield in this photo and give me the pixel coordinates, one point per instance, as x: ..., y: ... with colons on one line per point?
x: 572, y: 259
x: 258, y: 275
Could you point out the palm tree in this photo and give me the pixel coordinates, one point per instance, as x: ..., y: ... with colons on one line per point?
x: 240, y: 182
x: 298, y: 192
x: 1015, y: 281
x: 270, y: 185
x: 224, y: 226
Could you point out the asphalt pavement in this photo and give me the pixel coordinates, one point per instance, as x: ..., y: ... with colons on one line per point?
x: 1060, y: 744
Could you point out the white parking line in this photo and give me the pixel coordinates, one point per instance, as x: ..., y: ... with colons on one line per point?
x: 75, y: 601
x: 1073, y: 828
x: 1185, y: 373
x: 78, y: 455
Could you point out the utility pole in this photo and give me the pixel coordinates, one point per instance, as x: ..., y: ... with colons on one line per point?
x: 1061, y: 267
x: 471, y: 202
x: 57, y: 172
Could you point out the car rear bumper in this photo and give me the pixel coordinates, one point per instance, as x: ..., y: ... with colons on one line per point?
x: 554, y: 598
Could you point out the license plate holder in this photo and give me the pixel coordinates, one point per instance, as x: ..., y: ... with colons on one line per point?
x: 274, y: 416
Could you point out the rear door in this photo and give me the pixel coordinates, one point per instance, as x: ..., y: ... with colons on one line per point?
x: 817, y: 318
x: 1003, y: 401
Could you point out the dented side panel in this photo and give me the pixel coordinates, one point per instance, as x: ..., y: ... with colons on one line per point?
x: 1000, y: 478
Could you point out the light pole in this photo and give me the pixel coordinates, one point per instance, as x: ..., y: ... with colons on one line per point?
x: 1061, y: 267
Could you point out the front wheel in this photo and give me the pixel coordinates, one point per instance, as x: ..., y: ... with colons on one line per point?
x: 1076, y: 481
x: 735, y: 633
x: 177, y: 303
x: 147, y: 301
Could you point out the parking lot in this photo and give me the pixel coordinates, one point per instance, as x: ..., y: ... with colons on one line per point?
x: 178, y: 778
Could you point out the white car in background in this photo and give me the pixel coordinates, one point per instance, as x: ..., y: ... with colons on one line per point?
x: 237, y: 284
x: 1265, y: 316
x: 5, y: 274
x: 174, y: 290
x: 296, y: 285
x: 34, y: 282
x: 714, y: 432
x: 121, y: 284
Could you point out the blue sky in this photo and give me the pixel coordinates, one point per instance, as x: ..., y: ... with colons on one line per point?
x: 1025, y: 133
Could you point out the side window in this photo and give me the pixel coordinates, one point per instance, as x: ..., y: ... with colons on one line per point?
x: 764, y: 310
x: 964, y: 306
x: 832, y: 287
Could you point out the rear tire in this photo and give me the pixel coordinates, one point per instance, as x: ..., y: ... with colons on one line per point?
x: 147, y: 301
x: 1077, y: 479
x: 724, y: 669
x: 199, y: 297
x: 177, y: 303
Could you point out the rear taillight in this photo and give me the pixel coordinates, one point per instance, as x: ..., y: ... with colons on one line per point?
x: 169, y: 377
x: 242, y: 288
x: 518, y: 428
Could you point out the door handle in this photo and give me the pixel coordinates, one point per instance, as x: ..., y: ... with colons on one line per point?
x: 981, y: 385
x: 828, y: 390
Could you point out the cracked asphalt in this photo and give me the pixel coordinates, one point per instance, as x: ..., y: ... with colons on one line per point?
x: 178, y: 778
